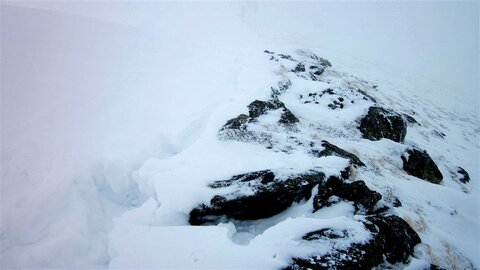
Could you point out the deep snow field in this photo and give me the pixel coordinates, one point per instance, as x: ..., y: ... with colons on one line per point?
x: 111, y: 111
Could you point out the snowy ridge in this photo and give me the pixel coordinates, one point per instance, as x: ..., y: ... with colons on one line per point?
x: 330, y: 99
x: 115, y: 128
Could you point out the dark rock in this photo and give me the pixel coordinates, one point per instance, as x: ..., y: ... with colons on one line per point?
x: 439, y: 134
x: 332, y: 150
x: 418, y: 163
x: 397, y: 202
x: 324, y: 62
x: 269, y: 52
x: 434, y: 267
x: 325, y: 233
x: 328, y: 91
x: 392, y: 239
x: 321, y: 61
x: 273, y: 58
x: 319, y: 71
x: 268, y: 197
x: 299, y: 68
x: 284, y: 56
x: 465, y: 178
x: 332, y: 106
x: 381, y: 123
x: 357, y: 192
x: 358, y: 256
x: 288, y: 117
x: 258, y: 107
x: 400, y: 238
x: 237, y: 123
x: 366, y: 96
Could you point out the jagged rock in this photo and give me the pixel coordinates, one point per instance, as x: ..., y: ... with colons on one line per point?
x: 392, y: 239
x: 465, y: 178
x: 258, y: 107
x: 237, y: 122
x: 321, y: 61
x: 288, y: 117
x: 267, y: 196
x: 400, y: 238
x: 299, y: 68
x: 317, y: 70
x: 381, y: 123
x: 363, y: 198
x: 332, y: 150
x: 418, y: 163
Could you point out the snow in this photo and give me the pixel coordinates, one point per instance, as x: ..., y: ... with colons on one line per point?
x: 110, y: 113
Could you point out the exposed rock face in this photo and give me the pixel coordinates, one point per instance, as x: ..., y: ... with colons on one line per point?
x: 332, y: 150
x: 246, y: 198
x: 464, y: 177
x: 392, y: 238
x: 364, y: 198
x: 400, y: 238
x: 418, y: 163
x: 381, y: 123
x: 258, y: 107
x: 266, y: 196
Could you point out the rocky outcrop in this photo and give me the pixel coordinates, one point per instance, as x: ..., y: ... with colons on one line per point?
x: 400, y: 238
x: 257, y: 195
x: 392, y: 239
x: 381, y: 123
x: 357, y: 192
x: 246, y: 198
x: 333, y: 150
x: 418, y: 163
x: 258, y: 107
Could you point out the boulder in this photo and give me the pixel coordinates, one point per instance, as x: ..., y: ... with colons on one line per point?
x: 258, y: 107
x: 392, y: 239
x: 400, y: 238
x: 257, y: 195
x: 357, y: 192
x: 380, y: 123
x: 418, y: 163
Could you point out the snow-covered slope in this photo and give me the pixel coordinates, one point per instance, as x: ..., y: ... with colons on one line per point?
x: 110, y: 128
